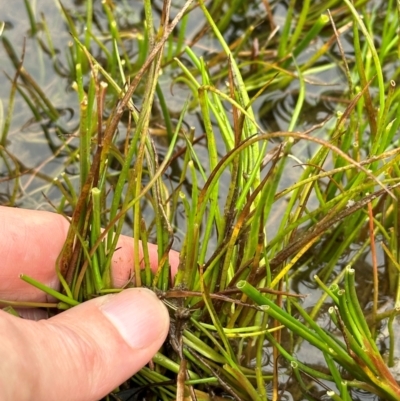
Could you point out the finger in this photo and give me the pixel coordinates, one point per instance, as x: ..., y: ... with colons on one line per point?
x: 31, y: 242
x: 83, y: 353
x: 123, y: 260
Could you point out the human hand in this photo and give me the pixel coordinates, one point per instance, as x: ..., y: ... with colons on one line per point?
x: 82, y: 353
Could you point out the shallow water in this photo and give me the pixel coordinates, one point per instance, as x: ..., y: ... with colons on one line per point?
x: 34, y: 143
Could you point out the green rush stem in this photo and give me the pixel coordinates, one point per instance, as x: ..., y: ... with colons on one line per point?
x: 172, y: 366
x: 31, y: 16
x: 326, y: 289
x: 355, y: 343
x: 244, y: 383
x: 369, y: 39
x: 193, y: 235
x: 146, y: 257
x: 165, y: 112
x: 64, y: 192
x: 206, y: 380
x: 260, y: 343
x: 126, y: 207
x: 284, y: 38
x: 383, y: 133
x: 215, y: 105
x: 148, y: 376
x: 180, y: 43
x: 226, y: 17
x: 300, y: 381
x: 300, y: 24
x: 290, y: 358
x: 21, y: 304
x: 300, y: 99
x: 91, y: 98
x: 9, y: 309
x: 71, y: 189
x: 339, y: 353
x: 217, y: 344
x: 357, y: 312
x: 192, y: 341
x: 101, y: 278
x: 10, y: 110
x: 79, y: 82
x: 324, y: 344
x: 64, y: 283
x: 310, y: 35
x: 88, y: 22
x: 48, y: 290
x: 333, y: 396
x: 391, y: 361
x: 249, y: 183
x: 334, y: 371
x: 249, y: 128
x: 84, y: 143
x: 216, y: 322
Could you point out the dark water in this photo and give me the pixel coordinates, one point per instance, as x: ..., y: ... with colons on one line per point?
x: 35, y: 143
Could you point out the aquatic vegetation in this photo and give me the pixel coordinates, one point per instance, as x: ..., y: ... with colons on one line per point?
x: 269, y: 161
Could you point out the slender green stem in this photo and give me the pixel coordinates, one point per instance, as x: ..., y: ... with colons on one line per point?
x: 48, y: 290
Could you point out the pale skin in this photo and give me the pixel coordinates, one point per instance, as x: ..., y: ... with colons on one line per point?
x: 85, y: 352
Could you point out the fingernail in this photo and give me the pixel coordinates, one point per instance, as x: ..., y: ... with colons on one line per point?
x: 138, y: 315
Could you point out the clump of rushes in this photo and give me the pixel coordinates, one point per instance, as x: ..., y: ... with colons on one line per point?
x: 231, y: 296
x: 357, y: 353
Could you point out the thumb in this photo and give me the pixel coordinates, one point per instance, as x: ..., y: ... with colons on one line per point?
x: 83, y: 353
